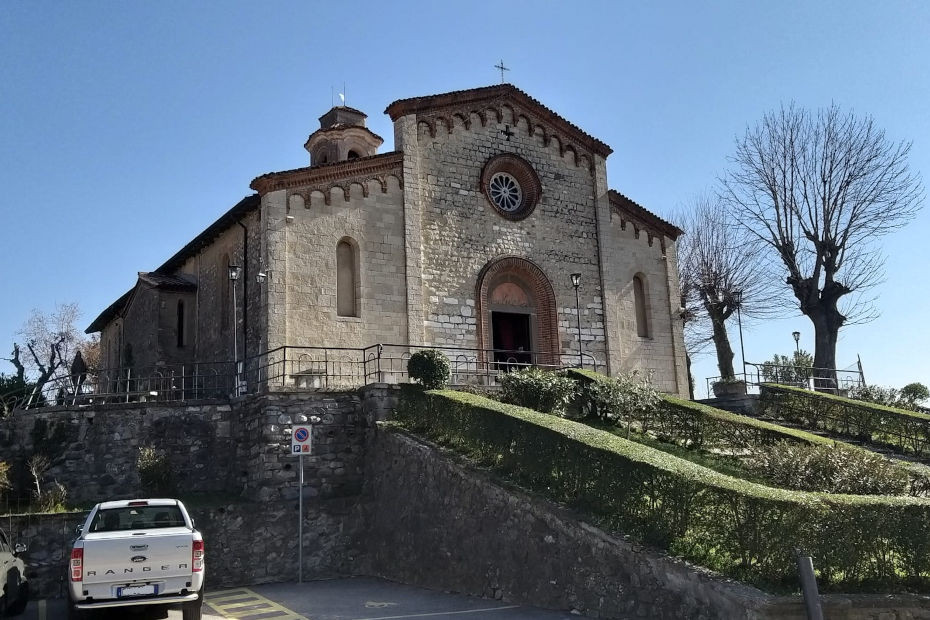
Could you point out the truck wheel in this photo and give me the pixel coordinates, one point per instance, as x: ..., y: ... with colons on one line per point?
x: 194, y: 609
x: 19, y: 605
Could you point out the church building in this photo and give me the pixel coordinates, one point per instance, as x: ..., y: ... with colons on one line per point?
x: 489, y: 228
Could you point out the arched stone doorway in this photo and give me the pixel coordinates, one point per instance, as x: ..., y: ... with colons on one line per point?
x: 516, y: 313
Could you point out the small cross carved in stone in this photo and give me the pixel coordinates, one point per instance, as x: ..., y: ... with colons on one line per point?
x: 506, y: 131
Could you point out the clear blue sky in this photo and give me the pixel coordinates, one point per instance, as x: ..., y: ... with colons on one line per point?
x: 126, y: 128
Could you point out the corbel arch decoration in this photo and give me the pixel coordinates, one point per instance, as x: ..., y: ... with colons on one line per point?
x: 540, y: 302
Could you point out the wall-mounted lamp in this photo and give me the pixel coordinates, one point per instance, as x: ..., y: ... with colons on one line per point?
x: 234, y: 271
x: 260, y: 277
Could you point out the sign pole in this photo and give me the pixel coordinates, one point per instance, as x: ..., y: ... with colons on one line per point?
x: 301, y: 443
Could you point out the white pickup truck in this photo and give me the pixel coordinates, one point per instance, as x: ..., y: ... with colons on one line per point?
x: 137, y: 552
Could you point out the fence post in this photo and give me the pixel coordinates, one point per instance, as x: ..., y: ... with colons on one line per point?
x: 380, y: 376
x: 283, y: 365
x: 809, y: 587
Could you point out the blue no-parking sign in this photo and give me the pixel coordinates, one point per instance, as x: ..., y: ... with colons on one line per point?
x: 301, y: 440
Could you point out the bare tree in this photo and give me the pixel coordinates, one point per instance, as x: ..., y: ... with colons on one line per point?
x: 818, y: 191
x: 51, y: 341
x: 720, y: 271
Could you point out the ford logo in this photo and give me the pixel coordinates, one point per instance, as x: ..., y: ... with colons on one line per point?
x: 138, y: 558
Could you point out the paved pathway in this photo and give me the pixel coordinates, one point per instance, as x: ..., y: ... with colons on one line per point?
x: 338, y: 599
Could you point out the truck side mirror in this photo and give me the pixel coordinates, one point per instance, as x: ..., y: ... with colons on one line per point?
x: 79, y: 529
x: 19, y: 548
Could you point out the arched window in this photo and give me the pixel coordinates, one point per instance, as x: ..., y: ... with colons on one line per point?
x: 353, y: 155
x: 180, y: 324
x: 640, y: 301
x: 347, y: 284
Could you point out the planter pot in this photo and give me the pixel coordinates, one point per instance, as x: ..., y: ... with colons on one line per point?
x: 735, y: 388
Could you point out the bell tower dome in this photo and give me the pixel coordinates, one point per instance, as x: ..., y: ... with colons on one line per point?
x: 342, y: 136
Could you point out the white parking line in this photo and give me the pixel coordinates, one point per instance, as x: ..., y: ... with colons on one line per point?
x: 442, y: 613
x: 42, y: 605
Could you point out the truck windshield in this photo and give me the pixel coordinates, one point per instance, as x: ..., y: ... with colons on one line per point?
x: 137, y: 518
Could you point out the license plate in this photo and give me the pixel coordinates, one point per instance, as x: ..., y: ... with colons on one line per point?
x: 136, y: 590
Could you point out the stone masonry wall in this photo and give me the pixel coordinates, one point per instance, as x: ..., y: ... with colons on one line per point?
x: 238, y: 448
x: 626, y: 255
x: 433, y: 520
x: 246, y: 543
x: 92, y: 452
x: 302, y: 250
x: 334, y: 469
x: 461, y: 232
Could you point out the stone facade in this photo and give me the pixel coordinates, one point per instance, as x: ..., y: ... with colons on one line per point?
x: 424, y: 228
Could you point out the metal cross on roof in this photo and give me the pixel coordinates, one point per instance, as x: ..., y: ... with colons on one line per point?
x: 502, y: 69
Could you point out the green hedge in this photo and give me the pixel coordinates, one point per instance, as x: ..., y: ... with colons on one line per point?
x: 744, y: 530
x: 693, y: 425
x: 903, y: 430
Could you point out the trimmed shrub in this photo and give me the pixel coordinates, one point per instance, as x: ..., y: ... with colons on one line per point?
x: 744, y: 530
x: 903, y: 430
x: 155, y: 473
x: 828, y: 469
x: 540, y: 390
x: 430, y: 368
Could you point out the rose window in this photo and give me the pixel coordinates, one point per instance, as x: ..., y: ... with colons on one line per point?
x: 511, y: 186
x: 505, y: 192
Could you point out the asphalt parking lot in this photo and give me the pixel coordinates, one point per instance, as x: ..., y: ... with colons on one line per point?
x: 338, y: 599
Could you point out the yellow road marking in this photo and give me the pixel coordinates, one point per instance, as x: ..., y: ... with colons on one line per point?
x: 243, y: 604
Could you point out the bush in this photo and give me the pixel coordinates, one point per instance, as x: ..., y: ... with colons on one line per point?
x: 52, y: 498
x: 901, y: 429
x: 827, y: 469
x: 536, y: 389
x: 627, y: 398
x: 430, y: 368
x: 155, y: 473
x: 745, y: 530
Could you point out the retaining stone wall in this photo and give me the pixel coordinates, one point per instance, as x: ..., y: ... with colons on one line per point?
x: 246, y: 543
x: 235, y: 448
x: 433, y: 520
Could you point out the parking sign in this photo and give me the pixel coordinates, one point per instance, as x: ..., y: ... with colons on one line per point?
x: 301, y: 440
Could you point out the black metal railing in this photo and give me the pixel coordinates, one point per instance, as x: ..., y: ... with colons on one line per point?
x: 283, y: 368
x: 336, y: 367
x: 806, y: 377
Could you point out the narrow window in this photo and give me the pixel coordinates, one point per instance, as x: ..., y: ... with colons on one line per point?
x: 180, y: 323
x: 639, y: 299
x: 346, y: 280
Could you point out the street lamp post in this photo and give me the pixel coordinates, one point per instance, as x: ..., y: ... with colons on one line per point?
x: 576, y: 282
x: 738, y: 300
x: 234, y: 271
x: 797, y: 340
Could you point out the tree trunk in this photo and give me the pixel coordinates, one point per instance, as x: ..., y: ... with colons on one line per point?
x: 827, y: 321
x: 722, y: 345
